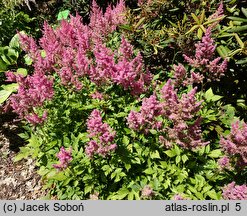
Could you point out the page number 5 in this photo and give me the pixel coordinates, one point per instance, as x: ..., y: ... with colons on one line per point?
x: 237, y: 207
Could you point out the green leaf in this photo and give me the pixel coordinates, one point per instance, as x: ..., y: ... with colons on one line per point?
x: 212, y: 194
x: 209, y: 94
x: 244, y: 11
x: 242, y: 61
x: 10, y: 56
x: 152, y: 131
x: 155, y: 154
x: 63, y: 15
x: 54, y: 174
x: 238, y: 28
x: 184, y: 158
x: 195, y: 18
x: 28, y: 60
x: 19, y: 157
x: 170, y: 153
x: 223, y: 51
x: 126, y: 140
x: 22, y: 71
x: 14, y: 42
x: 216, y: 98
x: 140, y: 22
x: 149, y: 171
x: 178, y: 159
x: 122, y: 193
x: 237, y: 19
x: 10, y: 87
x: 4, y: 95
x: 215, y: 153
x: 3, y: 65
x: 125, y: 27
x: 131, y: 196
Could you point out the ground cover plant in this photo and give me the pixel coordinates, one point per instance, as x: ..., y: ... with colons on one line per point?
x: 116, y: 108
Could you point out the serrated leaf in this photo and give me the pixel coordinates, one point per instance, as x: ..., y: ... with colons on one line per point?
x: 178, y: 159
x: 215, y: 153
x: 149, y: 171
x: 155, y: 154
x: 170, y: 153
x: 184, y: 158
x: 122, y: 193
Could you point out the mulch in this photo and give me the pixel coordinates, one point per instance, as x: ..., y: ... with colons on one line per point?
x: 18, y: 180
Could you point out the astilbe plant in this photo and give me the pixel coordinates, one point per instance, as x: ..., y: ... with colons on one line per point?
x: 101, y: 135
x: 178, y: 111
x: 92, y: 88
x: 205, y: 65
x: 74, y: 51
x: 235, y: 144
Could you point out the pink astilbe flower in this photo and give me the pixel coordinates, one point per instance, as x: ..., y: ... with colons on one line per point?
x: 64, y: 157
x: 35, y: 119
x: 105, y: 23
x: 219, y: 13
x: 105, y: 67
x: 94, y: 196
x: 207, y: 67
x: 179, y: 74
x: 75, y: 51
x: 204, y: 49
x: 129, y: 72
x: 236, y: 142
x: 126, y: 49
x: 169, y: 95
x: 235, y: 192
x: 32, y: 92
x: 180, y: 112
x: 97, y: 95
x: 178, y: 197
x: 166, y: 143
x: 28, y: 44
x: 224, y: 163
x: 135, y: 120
x: 151, y: 108
x: 102, y: 136
x: 147, y: 192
